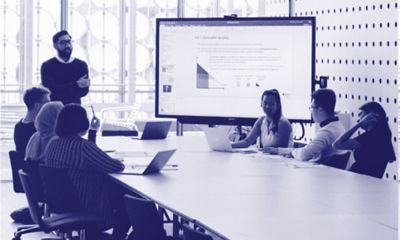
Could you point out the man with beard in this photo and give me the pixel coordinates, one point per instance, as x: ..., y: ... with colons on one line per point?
x: 66, y: 77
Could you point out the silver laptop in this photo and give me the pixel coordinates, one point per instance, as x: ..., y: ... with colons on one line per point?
x: 155, y: 130
x: 155, y: 165
x: 217, y: 140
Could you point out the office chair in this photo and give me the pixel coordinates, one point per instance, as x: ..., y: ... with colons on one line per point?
x: 126, y: 121
x: 194, y: 234
x: 17, y: 163
x: 337, y: 161
x: 146, y: 222
x: 65, y: 223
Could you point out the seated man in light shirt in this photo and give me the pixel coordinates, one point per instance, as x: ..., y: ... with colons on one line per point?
x: 323, y: 113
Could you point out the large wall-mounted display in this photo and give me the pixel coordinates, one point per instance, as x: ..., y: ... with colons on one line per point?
x: 214, y: 70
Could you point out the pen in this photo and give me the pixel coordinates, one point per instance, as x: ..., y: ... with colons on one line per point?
x: 91, y: 106
x: 172, y: 165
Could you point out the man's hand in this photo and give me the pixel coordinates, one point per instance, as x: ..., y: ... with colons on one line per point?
x: 83, y: 82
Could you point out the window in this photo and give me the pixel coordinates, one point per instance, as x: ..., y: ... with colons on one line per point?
x: 115, y: 38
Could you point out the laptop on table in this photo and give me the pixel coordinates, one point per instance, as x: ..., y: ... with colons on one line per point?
x: 156, y: 164
x: 155, y: 130
x: 217, y: 140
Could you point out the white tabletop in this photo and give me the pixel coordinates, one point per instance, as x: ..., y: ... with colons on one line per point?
x: 257, y: 196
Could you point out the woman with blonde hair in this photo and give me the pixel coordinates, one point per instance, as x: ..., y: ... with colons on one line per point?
x: 45, y: 123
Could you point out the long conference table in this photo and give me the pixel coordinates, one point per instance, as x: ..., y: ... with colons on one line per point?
x: 258, y: 196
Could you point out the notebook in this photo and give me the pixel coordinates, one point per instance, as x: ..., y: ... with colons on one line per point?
x: 132, y: 165
x: 155, y: 130
x: 217, y: 140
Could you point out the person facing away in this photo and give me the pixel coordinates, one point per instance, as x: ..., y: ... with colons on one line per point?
x: 34, y: 99
x: 66, y: 77
x: 373, y: 148
x: 273, y: 129
x: 323, y: 113
x: 87, y: 167
x: 45, y: 123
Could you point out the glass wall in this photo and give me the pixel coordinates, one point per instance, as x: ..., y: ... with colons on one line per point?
x: 10, y: 16
x: 115, y: 37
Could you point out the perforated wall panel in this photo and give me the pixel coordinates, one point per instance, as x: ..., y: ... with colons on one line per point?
x: 357, y: 47
x: 277, y: 8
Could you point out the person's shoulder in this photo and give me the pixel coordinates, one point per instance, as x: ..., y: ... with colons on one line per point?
x: 18, y: 124
x: 283, y: 121
x: 337, y: 126
x: 79, y: 61
x: 54, y: 140
x: 34, y: 138
x: 21, y: 125
x: 49, y: 61
x: 260, y: 120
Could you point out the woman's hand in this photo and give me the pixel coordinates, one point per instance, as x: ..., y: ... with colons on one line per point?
x: 95, y: 123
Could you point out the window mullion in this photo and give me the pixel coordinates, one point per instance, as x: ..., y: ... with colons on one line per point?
x: 132, y: 52
x: 26, y: 45
x: 121, y: 50
x: 64, y: 15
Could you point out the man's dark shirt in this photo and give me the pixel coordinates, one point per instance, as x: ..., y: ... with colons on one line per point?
x: 22, y: 134
x: 61, y: 79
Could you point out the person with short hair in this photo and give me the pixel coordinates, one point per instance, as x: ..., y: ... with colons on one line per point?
x: 273, y: 129
x: 323, y: 113
x: 87, y: 167
x: 373, y: 149
x: 320, y: 147
x: 45, y: 124
x: 66, y: 77
x: 34, y: 99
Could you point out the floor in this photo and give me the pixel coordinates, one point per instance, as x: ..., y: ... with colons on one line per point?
x: 10, y: 201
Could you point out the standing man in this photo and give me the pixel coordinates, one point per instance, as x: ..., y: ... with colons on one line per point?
x: 66, y: 77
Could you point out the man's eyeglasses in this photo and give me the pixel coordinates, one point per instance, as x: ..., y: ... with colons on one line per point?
x: 312, y: 107
x: 65, y: 42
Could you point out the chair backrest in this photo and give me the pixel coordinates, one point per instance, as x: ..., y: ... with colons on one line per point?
x: 337, y: 161
x: 17, y: 163
x: 193, y: 234
x: 32, y: 168
x: 145, y: 220
x: 31, y: 196
x: 59, y: 193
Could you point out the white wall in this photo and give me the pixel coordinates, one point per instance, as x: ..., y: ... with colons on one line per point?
x: 357, y: 48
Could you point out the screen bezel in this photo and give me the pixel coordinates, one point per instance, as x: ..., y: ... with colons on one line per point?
x: 194, y: 119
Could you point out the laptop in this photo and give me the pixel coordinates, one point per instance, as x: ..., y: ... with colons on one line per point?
x: 155, y: 130
x: 155, y: 165
x: 217, y: 140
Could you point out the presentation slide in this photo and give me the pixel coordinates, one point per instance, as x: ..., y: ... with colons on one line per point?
x: 220, y: 68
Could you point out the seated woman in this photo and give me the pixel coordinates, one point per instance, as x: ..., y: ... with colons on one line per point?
x: 87, y: 167
x: 373, y: 149
x: 45, y: 123
x: 273, y: 129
